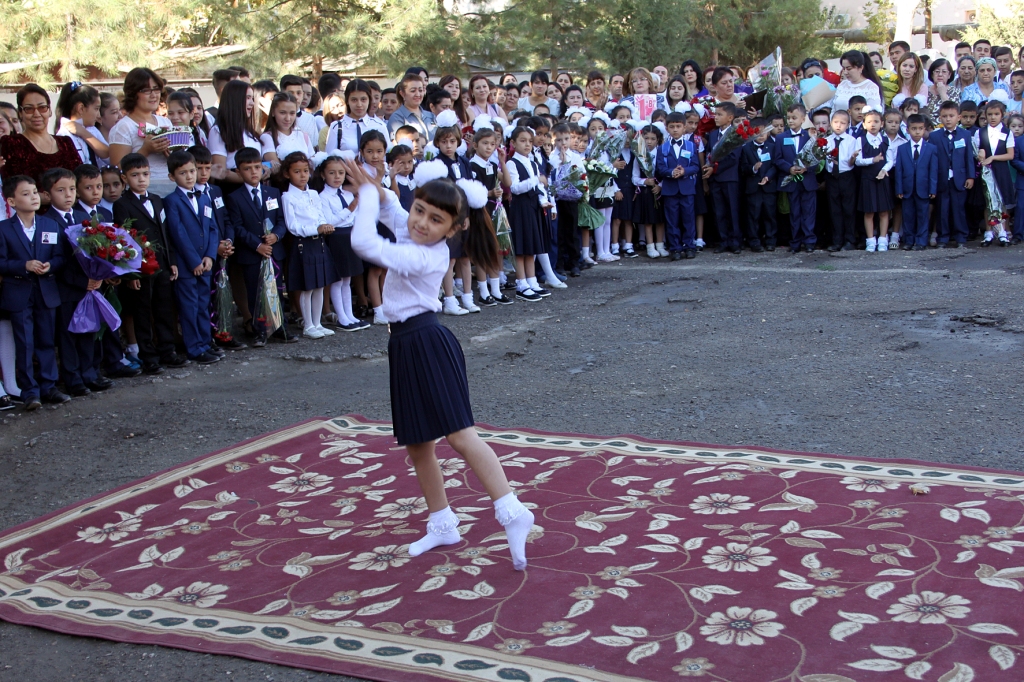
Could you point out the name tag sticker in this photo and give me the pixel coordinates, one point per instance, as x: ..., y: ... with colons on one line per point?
x: 959, y: 144
x: 790, y: 141
x: 490, y: 169
x: 1000, y: 136
x: 49, y: 237
x: 218, y: 202
x: 686, y: 154
x: 951, y: 174
x: 764, y: 156
x: 207, y: 212
x: 271, y: 204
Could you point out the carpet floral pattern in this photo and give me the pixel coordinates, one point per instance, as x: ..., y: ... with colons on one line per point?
x: 648, y: 561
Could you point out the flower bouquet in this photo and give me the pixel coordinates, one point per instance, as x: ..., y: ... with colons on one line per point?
x: 104, y: 250
x: 224, y: 303
x: 995, y: 210
x: 574, y: 180
x: 269, y: 314
x: 178, y: 137
x: 890, y: 84
x: 811, y: 157
x: 735, y: 137
x: 612, y: 141
x: 503, y: 231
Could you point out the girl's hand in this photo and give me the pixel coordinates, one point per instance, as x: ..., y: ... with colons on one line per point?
x: 853, y: 159
x: 879, y: 158
x: 987, y: 161
x: 619, y: 165
x: 501, y: 155
x: 618, y: 196
x: 882, y: 174
x: 74, y: 128
x: 656, y: 190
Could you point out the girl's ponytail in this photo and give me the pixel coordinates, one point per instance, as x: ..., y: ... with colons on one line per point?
x: 480, y: 243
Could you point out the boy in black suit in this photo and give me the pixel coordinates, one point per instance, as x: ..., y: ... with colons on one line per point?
x: 249, y: 208
x: 759, y: 185
x: 225, y: 247
x: 30, y: 259
x: 78, y: 362
x: 149, y: 300
x: 89, y: 186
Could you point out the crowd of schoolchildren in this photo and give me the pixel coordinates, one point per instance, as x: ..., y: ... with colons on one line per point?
x: 262, y: 179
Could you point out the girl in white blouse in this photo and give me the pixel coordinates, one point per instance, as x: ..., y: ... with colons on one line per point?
x: 338, y: 204
x: 310, y: 268
x: 283, y: 136
x: 346, y: 132
x: 429, y: 387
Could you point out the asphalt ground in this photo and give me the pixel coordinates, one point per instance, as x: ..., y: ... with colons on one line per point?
x: 908, y: 355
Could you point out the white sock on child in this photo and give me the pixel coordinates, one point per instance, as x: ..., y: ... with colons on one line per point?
x: 305, y: 308
x: 133, y: 349
x: 8, y: 366
x: 482, y: 288
x: 467, y: 301
x: 533, y: 283
x: 517, y: 520
x: 338, y: 301
x: 522, y: 285
x: 545, y: 263
x: 494, y: 283
x: 316, y: 306
x: 441, y: 530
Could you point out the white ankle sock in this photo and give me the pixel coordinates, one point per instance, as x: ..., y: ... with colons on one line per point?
x: 133, y: 349
x: 441, y: 530
x: 522, y: 285
x: 482, y: 288
x: 534, y: 284
x: 517, y: 520
x: 495, y: 284
x: 467, y: 301
x: 450, y: 301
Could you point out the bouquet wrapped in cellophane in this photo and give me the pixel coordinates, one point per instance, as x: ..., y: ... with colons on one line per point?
x: 734, y: 138
x: 811, y: 157
x: 578, y: 177
x: 224, y: 303
x: 269, y: 314
x: 503, y: 231
x: 611, y: 141
x: 995, y: 209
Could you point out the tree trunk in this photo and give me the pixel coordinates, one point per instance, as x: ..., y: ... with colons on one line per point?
x: 69, y: 46
x: 928, y: 23
x: 318, y: 67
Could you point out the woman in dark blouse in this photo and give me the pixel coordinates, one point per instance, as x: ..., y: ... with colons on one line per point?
x: 36, y: 151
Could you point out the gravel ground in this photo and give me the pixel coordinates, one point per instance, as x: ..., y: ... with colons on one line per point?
x: 911, y: 355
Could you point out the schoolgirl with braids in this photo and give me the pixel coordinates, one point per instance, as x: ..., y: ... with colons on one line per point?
x: 429, y: 388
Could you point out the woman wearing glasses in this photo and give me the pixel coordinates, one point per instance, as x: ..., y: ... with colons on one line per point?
x: 639, y: 82
x: 35, y: 151
x: 133, y: 133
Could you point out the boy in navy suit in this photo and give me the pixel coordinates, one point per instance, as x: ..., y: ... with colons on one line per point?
x: 249, y: 207
x: 78, y: 363
x: 149, y: 300
x: 677, y: 167
x: 803, y: 199
x: 760, y: 187
x: 30, y: 259
x: 842, y: 182
x: 724, y: 181
x: 955, y: 176
x: 89, y: 186
x: 1018, y: 215
x: 192, y: 229
x: 917, y: 168
x: 225, y: 246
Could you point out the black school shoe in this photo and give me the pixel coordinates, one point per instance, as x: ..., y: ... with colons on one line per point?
x: 488, y: 302
x: 6, y: 403
x: 152, y: 368
x: 721, y: 248
x: 206, y: 359
x: 231, y: 343
x: 504, y: 300
x: 690, y: 254
x: 219, y: 352
x: 101, y: 384
x: 284, y: 337
x: 55, y: 397
x: 32, y: 404
x: 543, y: 293
x: 260, y: 341
x: 528, y: 295
x: 122, y: 372
x: 174, y: 361
x: 78, y: 391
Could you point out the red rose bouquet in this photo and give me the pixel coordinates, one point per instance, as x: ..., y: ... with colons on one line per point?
x: 103, y: 250
x: 735, y: 137
x: 811, y: 157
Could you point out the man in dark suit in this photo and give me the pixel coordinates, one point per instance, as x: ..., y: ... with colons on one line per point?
x: 149, y: 300
x: 803, y: 198
x: 249, y: 208
x: 917, y: 166
x: 955, y: 175
x: 724, y: 182
x: 30, y: 260
x: 677, y: 166
x: 759, y: 187
x: 192, y: 229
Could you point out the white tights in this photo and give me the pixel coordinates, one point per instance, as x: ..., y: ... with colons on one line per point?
x: 311, y: 303
x: 603, y: 234
x: 7, y: 359
x: 545, y: 263
x: 341, y: 300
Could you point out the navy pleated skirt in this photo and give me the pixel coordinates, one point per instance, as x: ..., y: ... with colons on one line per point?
x: 310, y: 265
x: 875, y: 195
x: 524, y: 215
x: 346, y: 262
x: 429, y: 388
x: 646, y: 210
x: 623, y: 208
x: 455, y: 244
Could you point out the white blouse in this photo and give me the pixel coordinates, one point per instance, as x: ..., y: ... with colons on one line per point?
x: 349, y: 133
x: 126, y: 132
x: 337, y: 215
x: 890, y: 153
x: 522, y: 185
x: 303, y: 211
x: 845, y: 90
x: 218, y: 148
x: 82, y: 146
x: 415, y: 271
x: 296, y: 141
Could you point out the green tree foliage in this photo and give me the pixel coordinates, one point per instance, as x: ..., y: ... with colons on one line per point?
x: 1004, y: 28
x: 881, y: 20
x: 646, y: 32
x: 55, y: 41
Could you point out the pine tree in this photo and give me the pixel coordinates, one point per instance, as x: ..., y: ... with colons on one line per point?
x: 1003, y: 28
x: 646, y: 33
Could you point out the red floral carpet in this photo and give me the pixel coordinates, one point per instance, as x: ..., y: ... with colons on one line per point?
x: 649, y: 561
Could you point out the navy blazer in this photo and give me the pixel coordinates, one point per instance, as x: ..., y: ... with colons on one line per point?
x: 916, y: 179
x: 785, y: 157
x: 220, y: 212
x: 727, y: 169
x: 16, y: 251
x: 72, y: 281
x: 194, y: 236
x: 247, y: 223
x: 748, y: 159
x: 951, y: 157
x: 105, y: 215
x: 155, y: 228
x: 667, y: 162
x: 1017, y: 163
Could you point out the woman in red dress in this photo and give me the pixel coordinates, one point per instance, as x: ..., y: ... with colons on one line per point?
x: 36, y: 151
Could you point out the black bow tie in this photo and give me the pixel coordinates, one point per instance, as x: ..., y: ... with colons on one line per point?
x: 144, y: 198
x: 194, y: 195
